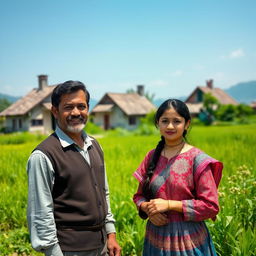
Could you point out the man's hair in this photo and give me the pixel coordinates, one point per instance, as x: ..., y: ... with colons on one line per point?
x: 66, y: 88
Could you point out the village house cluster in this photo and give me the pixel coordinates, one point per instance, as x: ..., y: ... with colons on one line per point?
x: 33, y: 111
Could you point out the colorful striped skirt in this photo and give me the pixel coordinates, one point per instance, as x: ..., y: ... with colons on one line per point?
x: 178, y: 239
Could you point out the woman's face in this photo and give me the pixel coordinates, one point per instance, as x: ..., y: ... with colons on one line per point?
x: 171, y: 126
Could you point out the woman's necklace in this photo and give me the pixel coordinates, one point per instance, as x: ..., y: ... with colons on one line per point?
x: 173, y: 146
x: 176, y: 153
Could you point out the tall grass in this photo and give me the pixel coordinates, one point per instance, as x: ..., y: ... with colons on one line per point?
x: 233, y: 233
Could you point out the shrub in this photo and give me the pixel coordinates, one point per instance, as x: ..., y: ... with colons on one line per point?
x: 92, y: 128
x: 226, y: 112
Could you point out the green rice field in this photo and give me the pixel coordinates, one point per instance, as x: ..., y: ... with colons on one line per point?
x: 233, y: 232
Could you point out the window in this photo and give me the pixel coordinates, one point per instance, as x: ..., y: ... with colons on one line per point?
x: 132, y: 120
x: 36, y: 122
x: 20, y: 123
x: 14, y: 124
x: 199, y: 96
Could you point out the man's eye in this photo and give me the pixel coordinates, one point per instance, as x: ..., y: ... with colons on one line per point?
x: 81, y: 107
x: 68, y: 107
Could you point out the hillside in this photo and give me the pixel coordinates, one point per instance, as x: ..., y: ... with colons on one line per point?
x: 244, y: 92
x: 13, y: 99
x: 8, y: 97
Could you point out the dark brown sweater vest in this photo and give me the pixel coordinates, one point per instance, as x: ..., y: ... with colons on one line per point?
x: 79, y: 195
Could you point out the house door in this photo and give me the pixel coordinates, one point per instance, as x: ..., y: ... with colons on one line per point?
x: 106, y: 122
x: 14, y: 125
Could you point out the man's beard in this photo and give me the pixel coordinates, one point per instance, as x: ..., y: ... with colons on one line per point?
x: 77, y: 128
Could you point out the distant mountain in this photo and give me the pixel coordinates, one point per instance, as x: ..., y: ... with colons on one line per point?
x: 244, y: 92
x: 92, y: 102
x: 12, y: 99
x: 8, y: 97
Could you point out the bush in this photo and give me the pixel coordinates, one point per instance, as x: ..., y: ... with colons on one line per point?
x: 244, y: 111
x: 149, y: 119
x: 92, y: 128
x: 20, y: 138
x: 226, y: 112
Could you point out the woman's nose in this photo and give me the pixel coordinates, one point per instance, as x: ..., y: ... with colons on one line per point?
x: 170, y: 125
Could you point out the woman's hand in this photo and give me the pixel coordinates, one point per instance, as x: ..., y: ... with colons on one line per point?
x: 157, y: 206
x: 158, y: 219
x: 144, y: 207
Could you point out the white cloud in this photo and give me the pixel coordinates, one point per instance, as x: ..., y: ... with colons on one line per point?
x: 177, y: 73
x: 236, y: 54
x: 160, y: 83
x: 199, y: 67
x: 219, y: 76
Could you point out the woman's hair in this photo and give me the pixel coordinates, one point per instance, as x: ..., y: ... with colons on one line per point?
x: 182, y: 109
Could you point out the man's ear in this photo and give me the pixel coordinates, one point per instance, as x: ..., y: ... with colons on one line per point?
x: 54, y: 111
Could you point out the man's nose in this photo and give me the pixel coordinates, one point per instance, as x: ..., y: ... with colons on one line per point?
x: 75, y: 112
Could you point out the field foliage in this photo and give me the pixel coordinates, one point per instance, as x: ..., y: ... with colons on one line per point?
x: 233, y: 232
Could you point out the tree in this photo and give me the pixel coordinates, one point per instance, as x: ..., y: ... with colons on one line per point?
x: 148, y: 95
x: 210, y: 103
x: 131, y: 90
x: 4, y: 103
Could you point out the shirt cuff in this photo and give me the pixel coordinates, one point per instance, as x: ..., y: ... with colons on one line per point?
x: 53, y: 250
x: 188, y: 210
x: 110, y: 227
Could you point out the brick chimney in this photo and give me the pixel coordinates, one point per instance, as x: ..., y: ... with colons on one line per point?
x: 209, y: 83
x: 140, y: 90
x: 42, y: 81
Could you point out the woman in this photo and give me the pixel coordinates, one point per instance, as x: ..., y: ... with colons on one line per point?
x: 177, y: 189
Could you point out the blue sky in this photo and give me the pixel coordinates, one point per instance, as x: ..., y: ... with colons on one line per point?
x: 113, y: 45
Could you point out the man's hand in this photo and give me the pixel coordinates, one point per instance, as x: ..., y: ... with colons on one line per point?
x: 113, y: 247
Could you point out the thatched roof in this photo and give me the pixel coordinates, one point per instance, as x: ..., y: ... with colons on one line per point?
x: 103, y: 108
x: 129, y: 103
x: 218, y: 93
x: 26, y: 103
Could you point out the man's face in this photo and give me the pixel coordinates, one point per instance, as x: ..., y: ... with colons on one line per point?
x: 72, y: 112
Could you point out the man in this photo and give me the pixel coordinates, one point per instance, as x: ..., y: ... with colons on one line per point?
x: 68, y: 199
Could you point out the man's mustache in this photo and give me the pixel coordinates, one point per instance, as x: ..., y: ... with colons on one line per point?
x: 80, y: 118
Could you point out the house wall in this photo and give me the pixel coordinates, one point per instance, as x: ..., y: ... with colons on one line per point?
x: 117, y: 118
x: 196, y: 97
x: 47, y: 116
x: 16, y: 123
x: 37, y: 120
x: 37, y: 115
x: 192, y: 98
